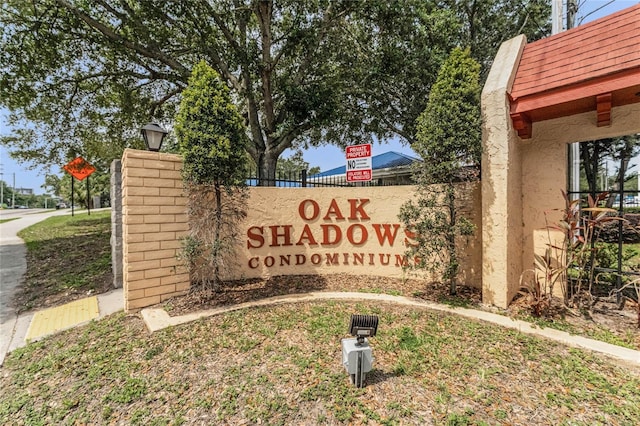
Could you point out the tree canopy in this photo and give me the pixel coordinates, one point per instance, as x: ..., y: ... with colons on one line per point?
x: 210, y: 132
x: 80, y: 78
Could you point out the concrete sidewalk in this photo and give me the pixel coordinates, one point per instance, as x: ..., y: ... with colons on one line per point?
x: 15, y: 329
x: 33, y: 326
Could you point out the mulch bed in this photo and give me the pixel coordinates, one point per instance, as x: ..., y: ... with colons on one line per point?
x: 247, y: 290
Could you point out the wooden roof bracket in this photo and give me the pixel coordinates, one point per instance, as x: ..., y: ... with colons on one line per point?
x: 522, y: 124
x: 604, y: 109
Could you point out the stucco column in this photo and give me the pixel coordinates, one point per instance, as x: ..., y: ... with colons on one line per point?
x: 501, y: 182
x: 116, y: 222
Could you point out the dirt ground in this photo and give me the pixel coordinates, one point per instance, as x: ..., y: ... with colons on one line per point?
x: 603, y: 318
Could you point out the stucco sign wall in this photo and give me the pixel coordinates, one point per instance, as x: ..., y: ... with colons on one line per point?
x: 287, y: 231
x: 336, y: 230
x: 326, y: 231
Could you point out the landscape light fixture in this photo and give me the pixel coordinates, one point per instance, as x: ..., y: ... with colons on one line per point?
x: 153, y: 136
x: 357, y: 357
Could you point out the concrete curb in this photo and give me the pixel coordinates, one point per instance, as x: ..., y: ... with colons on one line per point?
x: 158, y: 319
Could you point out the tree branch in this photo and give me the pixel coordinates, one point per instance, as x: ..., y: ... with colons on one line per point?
x: 263, y: 11
x: 115, y: 37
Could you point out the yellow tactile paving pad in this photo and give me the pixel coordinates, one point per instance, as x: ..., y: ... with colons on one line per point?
x: 49, y: 321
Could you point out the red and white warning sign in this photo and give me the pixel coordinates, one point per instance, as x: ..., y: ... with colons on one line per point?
x: 359, y: 163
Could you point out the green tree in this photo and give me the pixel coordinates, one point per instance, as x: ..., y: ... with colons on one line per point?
x: 593, y: 156
x: 403, y: 43
x: 449, y: 141
x: 212, y: 140
x: 84, y: 76
x: 294, y: 164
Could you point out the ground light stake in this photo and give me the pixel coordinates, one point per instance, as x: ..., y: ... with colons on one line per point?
x: 357, y: 357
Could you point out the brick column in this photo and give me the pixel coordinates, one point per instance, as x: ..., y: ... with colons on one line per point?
x: 154, y: 220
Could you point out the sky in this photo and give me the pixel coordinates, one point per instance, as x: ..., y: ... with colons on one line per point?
x: 325, y: 157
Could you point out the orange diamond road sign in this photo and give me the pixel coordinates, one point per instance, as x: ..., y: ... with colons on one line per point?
x: 79, y: 168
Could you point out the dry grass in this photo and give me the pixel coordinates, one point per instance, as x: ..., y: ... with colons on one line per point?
x: 604, y: 322
x: 68, y: 257
x: 281, y: 365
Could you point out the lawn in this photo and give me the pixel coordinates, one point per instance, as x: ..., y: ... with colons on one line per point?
x: 281, y: 365
x: 68, y: 257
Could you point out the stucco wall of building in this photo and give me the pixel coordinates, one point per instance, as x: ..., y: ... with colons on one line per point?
x: 501, y: 182
x: 522, y: 179
x: 545, y: 169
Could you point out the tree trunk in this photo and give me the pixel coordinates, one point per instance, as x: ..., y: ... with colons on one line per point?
x: 590, y: 153
x: 625, y: 157
x: 267, y: 169
x: 452, y: 268
x: 216, y: 237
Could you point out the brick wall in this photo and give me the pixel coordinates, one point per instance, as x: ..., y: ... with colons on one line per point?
x: 154, y: 217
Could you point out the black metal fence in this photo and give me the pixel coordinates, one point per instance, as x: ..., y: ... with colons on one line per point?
x: 301, y: 179
x: 626, y: 202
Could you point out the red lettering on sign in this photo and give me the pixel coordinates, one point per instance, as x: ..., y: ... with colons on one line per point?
x: 358, y: 208
x: 255, y: 234
x: 410, y: 240
x: 333, y: 210
x: 402, y: 260
x: 326, y: 235
x: 302, y: 209
x: 364, y: 235
x: 275, y: 235
x: 332, y: 259
x: 306, y: 235
x: 387, y: 234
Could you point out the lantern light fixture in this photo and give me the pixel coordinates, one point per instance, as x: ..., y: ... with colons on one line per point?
x: 153, y: 136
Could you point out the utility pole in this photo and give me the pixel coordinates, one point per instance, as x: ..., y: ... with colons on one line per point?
x: 1, y: 184
x: 572, y: 10
x: 13, y: 193
x: 556, y: 16
x: 574, y: 154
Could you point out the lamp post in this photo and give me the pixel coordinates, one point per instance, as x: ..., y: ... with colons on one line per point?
x: 153, y: 136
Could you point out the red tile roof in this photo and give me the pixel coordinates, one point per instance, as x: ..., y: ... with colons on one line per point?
x: 563, y: 74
